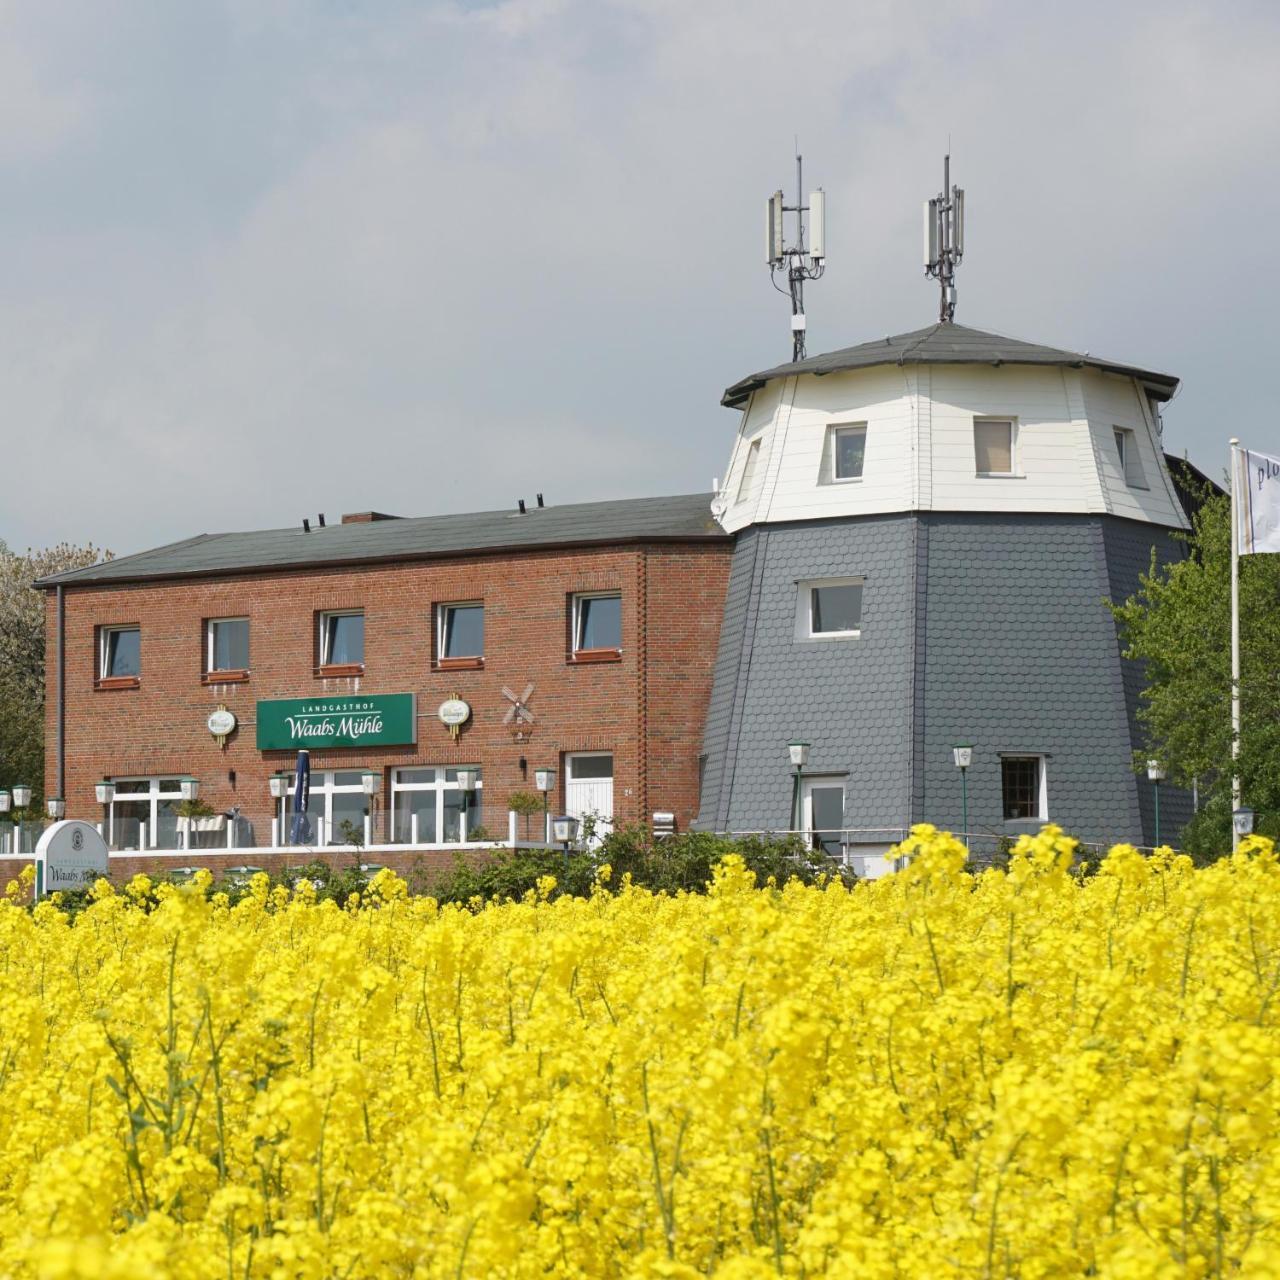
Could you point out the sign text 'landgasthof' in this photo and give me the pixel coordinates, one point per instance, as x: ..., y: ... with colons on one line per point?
x: 354, y: 720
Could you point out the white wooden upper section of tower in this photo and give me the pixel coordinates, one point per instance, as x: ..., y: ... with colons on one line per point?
x: 949, y: 437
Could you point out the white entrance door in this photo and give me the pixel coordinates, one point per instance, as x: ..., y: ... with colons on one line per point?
x: 588, y: 791
x: 822, y: 813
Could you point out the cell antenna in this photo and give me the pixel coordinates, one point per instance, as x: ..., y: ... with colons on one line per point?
x: 799, y: 263
x: 944, y: 240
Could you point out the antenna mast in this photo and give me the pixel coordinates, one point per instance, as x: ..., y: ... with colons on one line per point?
x: 800, y: 264
x: 944, y: 240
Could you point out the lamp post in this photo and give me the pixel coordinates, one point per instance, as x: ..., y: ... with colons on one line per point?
x: 799, y: 753
x: 56, y: 808
x: 279, y: 785
x: 5, y: 801
x: 105, y: 791
x: 544, y: 780
x: 467, y: 779
x: 962, y: 754
x: 21, y: 795
x: 1155, y: 775
x: 564, y: 830
x: 190, y: 788
x: 1241, y: 824
x: 370, y: 783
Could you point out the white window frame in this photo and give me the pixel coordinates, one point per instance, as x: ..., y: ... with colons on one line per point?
x: 804, y: 608
x: 991, y: 420
x: 441, y: 786
x: 323, y: 651
x: 209, y: 625
x: 830, y: 453
x: 825, y: 782
x: 442, y: 628
x: 576, y: 619
x: 321, y: 788
x: 1042, y: 784
x: 160, y: 787
x: 750, y: 465
x: 104, y: 648
x: 1131, y: 469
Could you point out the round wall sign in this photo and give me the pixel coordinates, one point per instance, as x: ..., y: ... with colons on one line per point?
x: 453, y: 712
x: 221, y: 722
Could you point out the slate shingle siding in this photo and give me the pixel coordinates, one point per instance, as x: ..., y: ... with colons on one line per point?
x: 990, y: 629
x: 850, y: 699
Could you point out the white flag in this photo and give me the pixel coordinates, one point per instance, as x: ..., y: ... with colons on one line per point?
x: 1257, y: 489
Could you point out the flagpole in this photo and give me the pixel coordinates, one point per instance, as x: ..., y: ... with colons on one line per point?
x: 1235, y: 645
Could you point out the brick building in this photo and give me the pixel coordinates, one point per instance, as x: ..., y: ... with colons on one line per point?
x: 600, y: 620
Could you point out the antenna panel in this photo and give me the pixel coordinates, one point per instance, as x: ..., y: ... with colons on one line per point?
x: 773, y: 228
x: 930, y: 232
x: 817, y: 225
x: 959, y: 223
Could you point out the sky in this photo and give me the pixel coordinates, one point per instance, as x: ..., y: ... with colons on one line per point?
x: 261, y: 259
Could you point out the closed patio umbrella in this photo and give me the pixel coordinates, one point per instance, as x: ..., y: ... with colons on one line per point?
x: 300, y: 832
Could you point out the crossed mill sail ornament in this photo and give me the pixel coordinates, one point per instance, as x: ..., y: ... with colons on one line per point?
x: 518, y: 716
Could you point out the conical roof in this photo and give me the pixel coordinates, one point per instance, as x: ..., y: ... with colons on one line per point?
x: 945, y: 344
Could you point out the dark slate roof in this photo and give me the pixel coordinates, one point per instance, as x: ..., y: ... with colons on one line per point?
x: 944, y: 344
x: 677, y: 519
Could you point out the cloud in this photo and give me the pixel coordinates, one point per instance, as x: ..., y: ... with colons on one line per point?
x: 277, y: 259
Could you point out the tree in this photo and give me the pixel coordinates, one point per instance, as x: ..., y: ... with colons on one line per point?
x: 1179, y: 625
x: 22, y: 640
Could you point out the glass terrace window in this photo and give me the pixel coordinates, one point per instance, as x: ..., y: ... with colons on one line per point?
x: 460, y: 632
x: 597, y: 623
x: 829, y: 608
x: 429, y: 803
x: 846, y: 452
x: 144, y: 813
x: 121, y: 653
x: 342, y: 639
x: 227, y: 644
x: 1022, y: 783
x: 993, y: 441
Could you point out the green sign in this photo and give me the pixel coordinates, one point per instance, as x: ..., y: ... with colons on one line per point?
x: 353, y: 720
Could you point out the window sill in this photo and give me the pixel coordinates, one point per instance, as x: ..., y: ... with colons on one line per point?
x: 107, y: 683
x: 339, y: 670
x: 581, y: 657
x: 999, y: 475
x: 238, y: 676
x: 844, y: 480
x: 817, y: 637
x: 458, y: 664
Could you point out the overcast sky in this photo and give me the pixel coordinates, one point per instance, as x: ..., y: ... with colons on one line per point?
x: 260, y: 260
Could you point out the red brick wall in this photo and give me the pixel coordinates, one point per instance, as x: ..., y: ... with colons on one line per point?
x: 648, y: 708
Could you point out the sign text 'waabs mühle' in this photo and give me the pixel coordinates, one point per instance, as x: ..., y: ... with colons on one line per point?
x: 355, y: 720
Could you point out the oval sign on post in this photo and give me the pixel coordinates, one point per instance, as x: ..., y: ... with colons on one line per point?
x: 454, y: 713
x: 221, y: 722
x: 70, y: 855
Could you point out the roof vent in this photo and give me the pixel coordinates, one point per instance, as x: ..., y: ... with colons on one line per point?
x: 521, y: 504
x: 367, y: 517
x: 306, y: 525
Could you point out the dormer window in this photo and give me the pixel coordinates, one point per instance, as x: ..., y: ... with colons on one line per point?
x: 993, y: 446
x: 844, y: 452
x: 1130, y: 458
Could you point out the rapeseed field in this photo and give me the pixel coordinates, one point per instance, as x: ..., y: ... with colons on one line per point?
x: 1025, y: 1072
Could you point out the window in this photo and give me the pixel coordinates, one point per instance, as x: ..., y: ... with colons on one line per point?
x: 143, y: 814
x: 993, y: 447
x: 460, y: 634
x: 822, y: 814
x: 342, y: 639
x: 429, y: 801
x: 1022, y: 782
x: 121, y: 653
x: 829, y: 608
x: 845, y: 451
x: 335, y: 797
x: 1130, y: 458
x: 597, y: 623
x: 749, y: 471
x: 227, y: 645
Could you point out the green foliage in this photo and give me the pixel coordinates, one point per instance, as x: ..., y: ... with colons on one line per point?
x: 195, y: 809
x: 1179, y: 625
x: 676, y: 864
x: 22, y: 643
